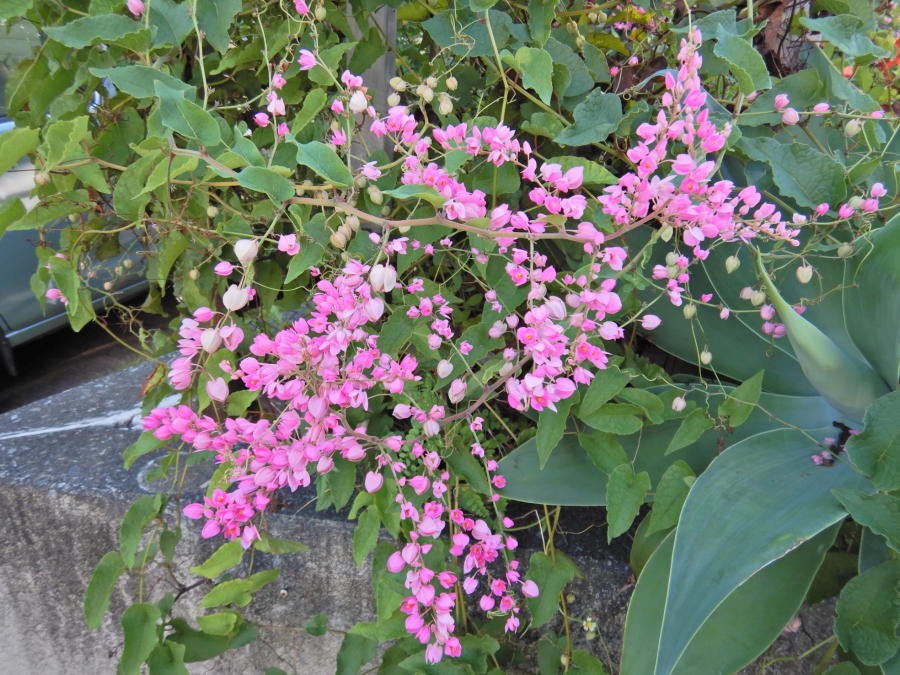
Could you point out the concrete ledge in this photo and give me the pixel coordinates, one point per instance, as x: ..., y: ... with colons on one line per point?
x: 64, y: 492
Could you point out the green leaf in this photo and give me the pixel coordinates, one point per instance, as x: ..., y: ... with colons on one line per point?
x: 269, y: 544
x: 198, y: 123
x: 671, y: 492
x: 790, y: 170
x: 551, y: 576
x: 91, y: 29
x: 15, y: 144
x: 868, y: 612
x: 140, y: 632
x: 536, y: 69
x: 100, y: 588
x: 138, y: 516
x: 127, y: 199
x: 264, y: 180
x: 740, y: 402
x: 757, y: 501
x: 846, y: 381
x: 167, y: 659
x: 171, y: 20
x: 837, y: 85
x: 63, y: 139
x: 145, y: 444
x: 13, y: 9
x: 325, y: 162
x: 613, y: 419
x: 876, y: 451
x: 226, y: 556
x: 11, y: 211
x: 215, y: 18
x: 846, y: 32
x: 647, y: 401
x: 173, y: 246
x: 318, y: 625
x: 624, y: 496
x: 550, y: 428
x: 579, y: 80
x: 843, y: 668
x: 365, y: 536
x: 744, y: 62
x: 738, y: 630
x: 140, y: 81
x: 237, y: 591
x: 606, y: 385
x: 313, y: 103
x: 596, y: 117
x: 425, y: 192
x: 879, y: 512
x: 221, y: 623
x: 540, y: 19
x: 692, y: 427
x: 356, y: 650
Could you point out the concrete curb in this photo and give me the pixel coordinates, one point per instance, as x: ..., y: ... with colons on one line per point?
x: 64, y: 492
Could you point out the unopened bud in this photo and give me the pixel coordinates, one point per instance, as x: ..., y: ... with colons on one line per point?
x: 245, y: 250
x: 855, y: 202
x: 352, y: 221
x: 845, y: 250
x: 358, y: 102
x: 376, y: 278
x: 732, y: 262
x: 42, y: 178
x: 689, y: 311
x: 194, y: 273
x: 757, y: 298
x: 390, y: 279
x: 505, y: 369
x: 451, y: 83
x: 678, y: 403
x: 601, y: 17
x: 320, y: 13
x: 425, y: 92
x: 431, y: 81
x: 107, y: 285
x: 671, y: 258
x: 398, y: 84
x: 666, y: 232
x: 212, y: 211
x: 592, y: 17
x: 338, y: 240
x: 804, y: 274
x: 572, y: 27
x: 128, y: 263
x: 118, y: 270
x: 444, y: 368
x: 210, y: 340
x: 705, y: 357
x: 393, y: 99
x: 852, y: 128
x: 360, y: 181
x: 445, y: 105
x: 375, y: 195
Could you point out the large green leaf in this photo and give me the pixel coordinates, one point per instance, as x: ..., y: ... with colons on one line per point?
x: 744, y: 61
x: 87, y: 30
x: 140, y: 81
x: 876, y: 451
x: 215, y: 17
x: 868, y: 613
x: 596, y: 117
x: 15, y: 144
x: 757, y: 501
x: 872, y: 304
x: 846, y: 32
x: 139, y: 628
x: 322, y: 159
x: 739, y: 629
x: 536, y: 69
x: 572, y: 478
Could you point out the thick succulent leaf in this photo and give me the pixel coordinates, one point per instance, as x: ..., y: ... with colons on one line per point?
x: 739, y: 629
x: 572, y: 479
x: 757, y: 501
x: 873, y: 305
x: 845, y: 380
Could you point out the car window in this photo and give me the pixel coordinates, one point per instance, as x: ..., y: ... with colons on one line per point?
x: 16, y: 43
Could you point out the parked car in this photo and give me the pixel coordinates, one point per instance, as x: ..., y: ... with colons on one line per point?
x: 22, y: 318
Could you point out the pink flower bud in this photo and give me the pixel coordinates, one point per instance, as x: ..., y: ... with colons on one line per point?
x: 235, y: 298
x: 261, y: 119
x: 374, y: 481
x: 217, y: 389
x: 245, y: 250
x: 395, y: 562
x: 136, y: 7
x: 457, y: 391
x: 444, y: 368
x: 782, y: 101
x: 224, y: 268
x: 650, y: 321
x: 790, y: 116
x: 678, y: 403
x: 530, y: 589
x: 307, y: 59
x: 193, y: 511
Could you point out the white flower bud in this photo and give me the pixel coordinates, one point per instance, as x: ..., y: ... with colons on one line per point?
x: 128, y: 263
x: 845, y: 250
x: 194, y: 273
x: 245, y: 250
x: 235, y: 298
x: 689, y: 311
x: 358, y: 102
x: 398, y: 84
x: 804, y: 274
x: 376, y: 278
x: 732, y: 262
x: 746, y: 292
x: 431, y: 428
x: 425, y: 92
x: 107, y: 285
x: 757, y: 298
x: 852, y: 128
x: 338, y: 240
x: 457, y: 391
x: 212, y: 211
x: 352, y: 221
x: 705, y: 357
x: 556, y: 307
x: 445, y: 105
x: 375, y: 195
x: 320, y: 13
x: 431, y: 82
x: 393, y: 99
x: 210, y: 340
x: 666, y: 232
x: 671, y: 258
x: 444, y: 368
x: 451, y: 83
x: 390, y: 279
x: 505, y: 369
x: 678, y: 403
x: 856, y: 201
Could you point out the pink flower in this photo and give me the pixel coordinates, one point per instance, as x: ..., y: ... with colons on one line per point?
x: 790, y: 116
x: 217, y: 389
x: 821, y: 108
x: 287, y: 243
x: 261, y: 119
x: 278, y: 81
x: 307, y: 59
x: 223, y: 269
x: 301, y: 7
x: 530, y: 589
x: 650, y: 321
x: 822, y: 209
x: 782, y: 101
x: 878, y: 190
x: 373, y: 481
x: 136, y: 7
x: 282, y: 129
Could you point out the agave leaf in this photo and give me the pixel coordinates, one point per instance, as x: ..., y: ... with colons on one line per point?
x: 845, y: 380
x: 759, y: 500
x: 872, y: 303
x: 739, y: 629
x: 572, y: 479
